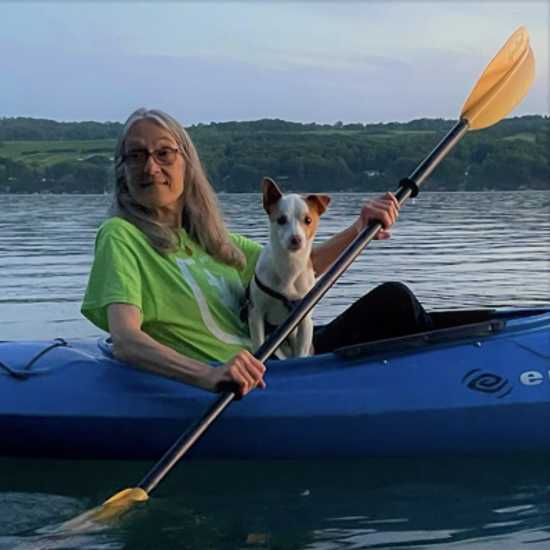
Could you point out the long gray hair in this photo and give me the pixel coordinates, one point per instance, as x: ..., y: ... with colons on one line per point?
x: 201, y: 216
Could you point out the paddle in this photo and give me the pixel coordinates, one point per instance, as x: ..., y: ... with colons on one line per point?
x: 500, y: 88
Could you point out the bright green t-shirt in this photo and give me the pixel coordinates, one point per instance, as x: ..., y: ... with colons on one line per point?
x: 188, y: 300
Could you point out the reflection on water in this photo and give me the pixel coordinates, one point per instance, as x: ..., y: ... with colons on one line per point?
x: 456, y: 250
x: 318, y: 505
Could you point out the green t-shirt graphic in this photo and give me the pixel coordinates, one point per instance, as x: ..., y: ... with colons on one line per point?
x: 188, y: 300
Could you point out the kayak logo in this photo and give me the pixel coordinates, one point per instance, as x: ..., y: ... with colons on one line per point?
x: 532, y: 377
x: 487, y: 382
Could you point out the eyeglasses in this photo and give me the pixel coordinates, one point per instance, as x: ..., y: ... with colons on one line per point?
x: 139, y: 157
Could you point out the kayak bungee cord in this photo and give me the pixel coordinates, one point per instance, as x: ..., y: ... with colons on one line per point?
x: 25, y: 372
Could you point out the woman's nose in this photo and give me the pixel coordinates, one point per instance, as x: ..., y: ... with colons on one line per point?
x: 151, y: 165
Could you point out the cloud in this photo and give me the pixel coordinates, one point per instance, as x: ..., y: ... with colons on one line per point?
x: 362, y: 61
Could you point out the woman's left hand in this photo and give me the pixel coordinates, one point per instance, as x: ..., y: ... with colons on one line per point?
x: 384, y: 209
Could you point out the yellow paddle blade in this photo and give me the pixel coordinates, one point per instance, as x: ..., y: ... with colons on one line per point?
x: 503, y: 84
x: 111, y: 509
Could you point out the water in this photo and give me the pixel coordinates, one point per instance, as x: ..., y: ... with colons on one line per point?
x: 455, y: 250
x: 445, y: 503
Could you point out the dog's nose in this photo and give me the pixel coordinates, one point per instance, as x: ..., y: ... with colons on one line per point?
x: 295, y: 241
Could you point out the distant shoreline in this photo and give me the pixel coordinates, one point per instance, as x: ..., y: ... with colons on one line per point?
x: 40, y: 155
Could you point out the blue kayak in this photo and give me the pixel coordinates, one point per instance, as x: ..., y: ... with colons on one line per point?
x: 478, y: 384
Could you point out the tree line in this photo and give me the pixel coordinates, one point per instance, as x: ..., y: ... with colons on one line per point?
x: 303, y: 157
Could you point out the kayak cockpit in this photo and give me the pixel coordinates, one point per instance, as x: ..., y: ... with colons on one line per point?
x: 450, y: 328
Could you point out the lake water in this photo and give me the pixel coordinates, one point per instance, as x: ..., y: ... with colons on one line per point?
x: 455, y: 250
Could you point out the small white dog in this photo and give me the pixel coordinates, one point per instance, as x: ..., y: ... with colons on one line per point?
x: 284, y: 272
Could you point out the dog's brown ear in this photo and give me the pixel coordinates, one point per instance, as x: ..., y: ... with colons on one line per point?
x: 271, y: 194
x: 318, y: 202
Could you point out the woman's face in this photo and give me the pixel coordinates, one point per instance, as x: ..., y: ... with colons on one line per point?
x: 155, y: 168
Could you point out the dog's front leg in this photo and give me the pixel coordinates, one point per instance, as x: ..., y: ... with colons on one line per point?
x: 292, y: 345
x: 280, y: 353
x: 302, y: 343
x: 256, y: 327
x: 286, y: 349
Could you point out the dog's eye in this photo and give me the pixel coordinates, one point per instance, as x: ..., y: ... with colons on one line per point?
x: 281, y: 220
x: 307, y: 220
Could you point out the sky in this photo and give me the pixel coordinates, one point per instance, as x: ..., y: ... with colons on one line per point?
x: 214, y: 61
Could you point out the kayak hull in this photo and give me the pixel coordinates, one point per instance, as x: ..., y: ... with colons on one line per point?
x: 483, y: 388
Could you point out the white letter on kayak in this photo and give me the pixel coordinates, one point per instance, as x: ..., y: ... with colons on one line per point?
x: 531, y: 378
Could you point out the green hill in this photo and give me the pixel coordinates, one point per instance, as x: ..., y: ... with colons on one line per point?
x: 48, y: 156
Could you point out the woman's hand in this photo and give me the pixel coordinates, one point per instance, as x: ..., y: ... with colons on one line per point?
x: 130, y: 344
x: 384, y: 209
x: 241, y: 374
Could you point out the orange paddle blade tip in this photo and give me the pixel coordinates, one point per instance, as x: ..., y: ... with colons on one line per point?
x: 111, y: 509
x: 503, y: 84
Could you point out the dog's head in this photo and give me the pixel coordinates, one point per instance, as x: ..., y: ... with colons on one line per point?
x: 294, y: 218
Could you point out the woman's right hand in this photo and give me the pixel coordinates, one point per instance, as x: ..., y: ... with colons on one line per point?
x: 241, y: 374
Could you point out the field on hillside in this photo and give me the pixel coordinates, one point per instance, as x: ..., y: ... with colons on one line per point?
x: 46, y: 153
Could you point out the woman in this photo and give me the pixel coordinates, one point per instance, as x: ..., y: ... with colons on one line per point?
x: 168, y: 277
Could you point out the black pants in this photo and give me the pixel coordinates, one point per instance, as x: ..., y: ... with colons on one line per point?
x: 388, y: 311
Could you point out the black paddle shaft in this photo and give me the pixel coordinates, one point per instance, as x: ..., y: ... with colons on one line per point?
x: 408, y: 187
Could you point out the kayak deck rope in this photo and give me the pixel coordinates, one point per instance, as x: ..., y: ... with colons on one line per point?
x: 25, y: 372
